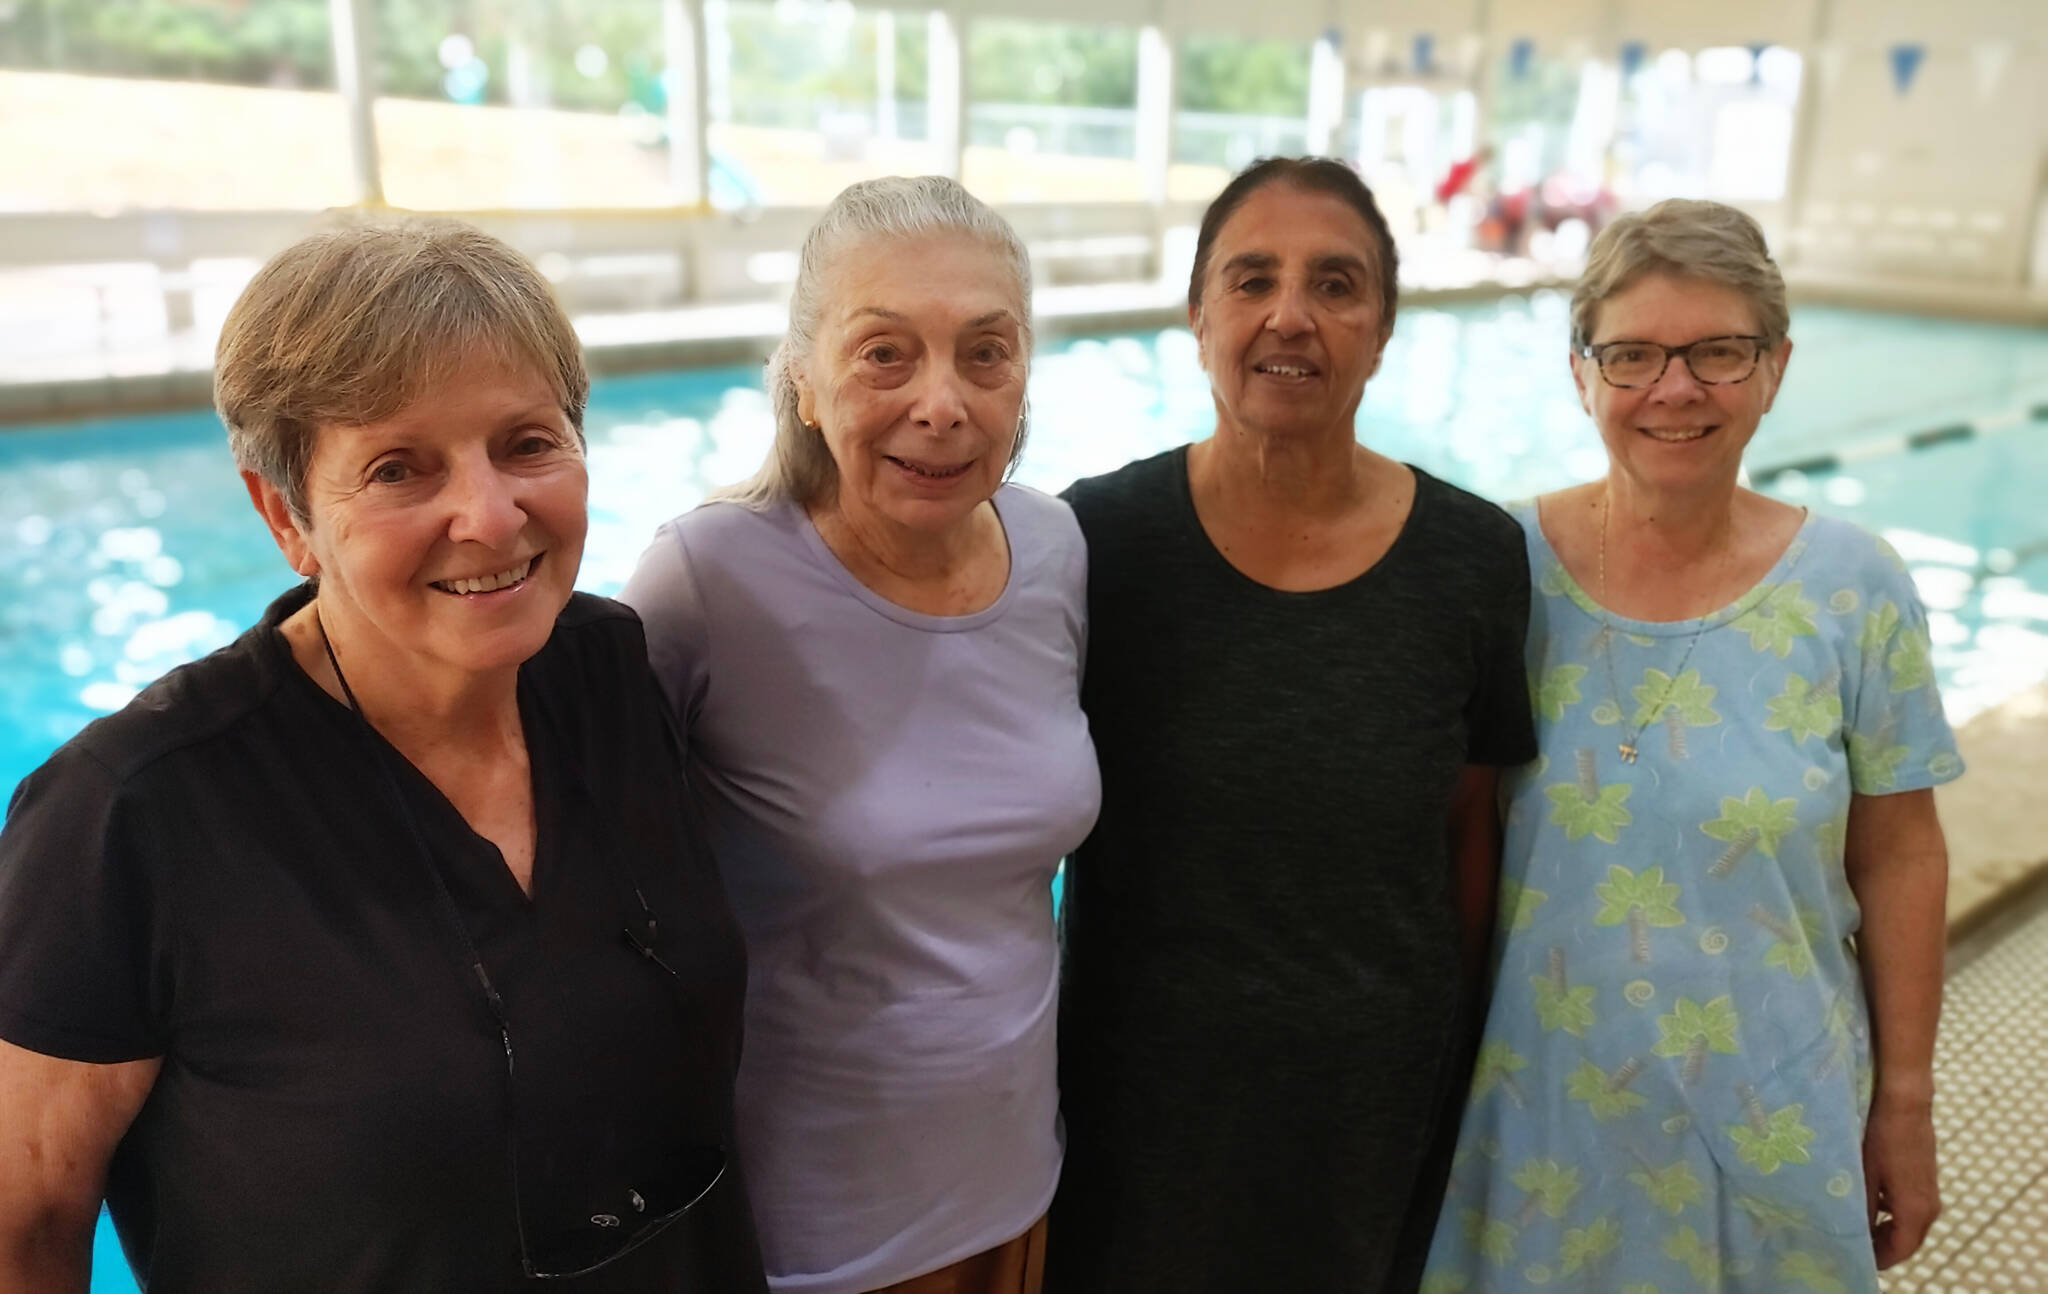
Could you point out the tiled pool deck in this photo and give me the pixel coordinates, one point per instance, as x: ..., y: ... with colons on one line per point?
x: 1991, y: 1061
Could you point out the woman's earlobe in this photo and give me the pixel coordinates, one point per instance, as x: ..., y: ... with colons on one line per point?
x: 286, y: 529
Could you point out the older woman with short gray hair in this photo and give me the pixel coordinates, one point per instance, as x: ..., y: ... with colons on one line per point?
x: 310, y: 958
x: 1708, y: 1061
x: 875, y: 647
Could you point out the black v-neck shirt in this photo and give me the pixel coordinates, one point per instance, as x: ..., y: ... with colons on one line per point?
x: 221, y: 876
x: 1259, y: 1016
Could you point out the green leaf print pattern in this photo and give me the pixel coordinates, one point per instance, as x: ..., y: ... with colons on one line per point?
x: 1606, y: 1095
x: 1659, y: 692
x: 1642, y: 899
x: 1598, y: 812
x: 1813, y: 1271
x: 1559, y: 1005
x: 1491, y: 1237
x: 1702, y: 1260
x: 1873, y: 761
x: 1693, y: 1030
x: 1756, y: 812
x: 1793, y: 949
x: 1671, y: 1187
x: 1557, y: 691
x: 1804, y: 710
x: 1911, y: 662
x: 1497, y: 1066
x: 1518, y: 904
x: 1769, y: 1215
x: 1550, y: 1186
x: 1444, y: 1283
x: 1769, y: 1141
x: 1878, y: 625
x: 1584, y: 1246
x: 1782, y: 616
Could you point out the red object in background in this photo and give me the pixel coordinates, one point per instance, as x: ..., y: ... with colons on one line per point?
x: 1461, y: 174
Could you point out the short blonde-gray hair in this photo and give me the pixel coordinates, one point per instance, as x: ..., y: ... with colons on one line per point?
x: 799, y: 466
x: 353, y: 324
x: 1687, y: 238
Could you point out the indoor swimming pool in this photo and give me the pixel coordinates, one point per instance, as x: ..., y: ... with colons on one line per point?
x: 127, y: 545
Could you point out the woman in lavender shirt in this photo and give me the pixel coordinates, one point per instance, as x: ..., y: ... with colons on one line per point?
x: 874, y: 646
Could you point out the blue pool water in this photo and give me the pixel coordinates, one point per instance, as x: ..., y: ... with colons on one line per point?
x: 127, y: 545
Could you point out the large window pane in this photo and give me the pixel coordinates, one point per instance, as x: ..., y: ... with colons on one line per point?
x: 115, y: 105
x: 1054, y: 114
x: 491, y: 104
x: 807, y: 96
x: 1235, y: 101
x: 1717, y: 124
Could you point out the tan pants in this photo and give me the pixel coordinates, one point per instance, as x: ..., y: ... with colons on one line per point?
x: 1017, y: 1267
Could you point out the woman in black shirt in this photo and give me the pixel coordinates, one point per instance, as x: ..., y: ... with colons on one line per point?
x: 372, y: 952
x: 1304, y: 668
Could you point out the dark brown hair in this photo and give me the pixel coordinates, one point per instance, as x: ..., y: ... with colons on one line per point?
x: 1311, y: 175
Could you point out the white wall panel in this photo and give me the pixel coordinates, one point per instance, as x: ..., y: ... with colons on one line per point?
x: 1402, y: 19
x: 1551, y: 22
x: 1664, y: 25
x: 1302, y: 20
x: 1940, y: 180
x: 1131, y: 13
x: 1888, y: 21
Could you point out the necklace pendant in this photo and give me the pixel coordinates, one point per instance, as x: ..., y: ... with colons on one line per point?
x: 1628, y: 752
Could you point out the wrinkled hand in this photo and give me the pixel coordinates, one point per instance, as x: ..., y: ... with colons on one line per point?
x: 1898, y: 1172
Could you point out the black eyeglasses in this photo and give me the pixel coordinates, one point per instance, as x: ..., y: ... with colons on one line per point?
x: 1713, y: 361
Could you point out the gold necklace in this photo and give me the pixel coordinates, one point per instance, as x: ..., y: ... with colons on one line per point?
x: 1629, y: 736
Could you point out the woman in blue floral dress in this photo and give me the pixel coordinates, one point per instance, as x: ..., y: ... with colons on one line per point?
x: 1708, y: 1060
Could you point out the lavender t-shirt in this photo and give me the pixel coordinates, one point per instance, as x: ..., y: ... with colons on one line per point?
x: 888, y: 794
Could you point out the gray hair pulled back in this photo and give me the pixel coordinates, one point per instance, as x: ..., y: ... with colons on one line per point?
x: 799, y: 465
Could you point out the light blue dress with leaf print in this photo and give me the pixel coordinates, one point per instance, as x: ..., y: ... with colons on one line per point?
x: 1671, y: 1090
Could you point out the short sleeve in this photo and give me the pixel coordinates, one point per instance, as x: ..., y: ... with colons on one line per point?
x: 1500, y: 728
x: 1897, y: 736
x: 663, y: 591
x: 81, y: 939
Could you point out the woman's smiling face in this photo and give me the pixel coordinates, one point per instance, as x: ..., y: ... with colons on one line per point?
x: 447, y: 536
x: 1290, y: 324
x: 1678, y: 433
x: 916, y: 379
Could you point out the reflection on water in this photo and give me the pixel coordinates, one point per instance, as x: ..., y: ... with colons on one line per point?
x: 128, y: 546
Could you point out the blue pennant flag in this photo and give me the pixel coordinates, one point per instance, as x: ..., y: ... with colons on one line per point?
x: 1519, y: 54
x: 1906, y: 65
x: 1425, y: 54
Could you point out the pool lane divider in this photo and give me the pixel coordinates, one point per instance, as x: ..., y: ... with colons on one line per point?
x: 1886, y: 446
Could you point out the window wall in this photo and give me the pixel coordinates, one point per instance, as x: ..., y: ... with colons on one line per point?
x: 1715, y: 123
x: 119, y: 104
x: 1235, y: 101
x: 807, y: 96
x: 1053, y: 112
x: 495, y: 104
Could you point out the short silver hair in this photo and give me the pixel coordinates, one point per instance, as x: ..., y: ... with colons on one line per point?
x: 1687, y: 238
x: 799, y: 465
